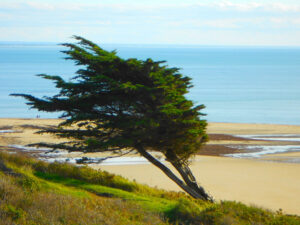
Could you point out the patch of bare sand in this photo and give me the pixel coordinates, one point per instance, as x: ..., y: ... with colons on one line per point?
x: 15, y: 122
x: 265, y: 184
x: 291, y: 157
x: 243, y: 128
x: 286, y: 154
x: 25, y: 131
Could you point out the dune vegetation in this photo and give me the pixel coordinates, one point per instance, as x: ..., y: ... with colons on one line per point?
x: 36, y: 192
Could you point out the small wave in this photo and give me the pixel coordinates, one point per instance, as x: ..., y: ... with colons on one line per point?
x: 264, y: 150
x: 272, y: 137
x: 99, y: 160
x: 60, y: 156
x: 7, y: 131
x: 26, y: 148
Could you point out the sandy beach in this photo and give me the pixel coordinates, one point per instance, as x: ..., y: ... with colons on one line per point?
x: 266, y: 182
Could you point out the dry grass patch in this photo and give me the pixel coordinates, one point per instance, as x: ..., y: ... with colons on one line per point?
x: 21, y: 205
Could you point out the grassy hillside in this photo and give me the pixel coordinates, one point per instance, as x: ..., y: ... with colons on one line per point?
x: 35, y: 192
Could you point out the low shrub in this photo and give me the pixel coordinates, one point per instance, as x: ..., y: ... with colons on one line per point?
x: 226, y: 213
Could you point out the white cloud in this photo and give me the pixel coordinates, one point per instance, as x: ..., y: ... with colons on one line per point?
x: 141, y: 22
x: 226, y: 24
x: 214, y: 23
x: 122, y: 7
x: 228, y: 5
x: 41, y: 6
x: 283, y: 7
x: 5, y: 16
x: 281, y: 22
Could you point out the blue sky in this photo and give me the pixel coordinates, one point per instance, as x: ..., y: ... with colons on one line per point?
x: 206, y: 22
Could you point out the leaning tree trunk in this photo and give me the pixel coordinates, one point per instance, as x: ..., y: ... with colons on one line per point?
x: 190, y: 180
x: 188, y: 184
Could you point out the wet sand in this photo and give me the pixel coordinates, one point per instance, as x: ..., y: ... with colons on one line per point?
x: 292, y: 157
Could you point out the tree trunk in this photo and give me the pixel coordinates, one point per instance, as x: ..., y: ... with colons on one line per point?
x: 190, y: 180
x: 189, y: 185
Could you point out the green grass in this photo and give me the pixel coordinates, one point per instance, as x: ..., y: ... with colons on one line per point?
x: 146, y: 201
x: 43, y: 193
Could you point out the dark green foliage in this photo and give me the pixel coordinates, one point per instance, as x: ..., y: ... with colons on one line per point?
x: 113, y: 103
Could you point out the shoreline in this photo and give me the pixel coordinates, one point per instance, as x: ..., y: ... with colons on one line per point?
x: 209, y: 122
x: 225, y: 139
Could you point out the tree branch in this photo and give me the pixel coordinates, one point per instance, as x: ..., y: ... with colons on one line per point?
x: 86, y: 160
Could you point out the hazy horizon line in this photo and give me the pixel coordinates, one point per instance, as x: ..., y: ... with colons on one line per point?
x: 43, y: 43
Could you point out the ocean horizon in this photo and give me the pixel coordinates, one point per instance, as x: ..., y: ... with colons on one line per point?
x: 238, y: 84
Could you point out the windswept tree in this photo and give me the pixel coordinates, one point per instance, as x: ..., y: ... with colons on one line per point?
x: 117, y: 105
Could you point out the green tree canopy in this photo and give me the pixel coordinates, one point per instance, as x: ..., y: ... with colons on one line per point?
x: 114, y: 104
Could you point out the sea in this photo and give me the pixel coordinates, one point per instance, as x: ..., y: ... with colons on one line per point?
x: 236, y: 84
